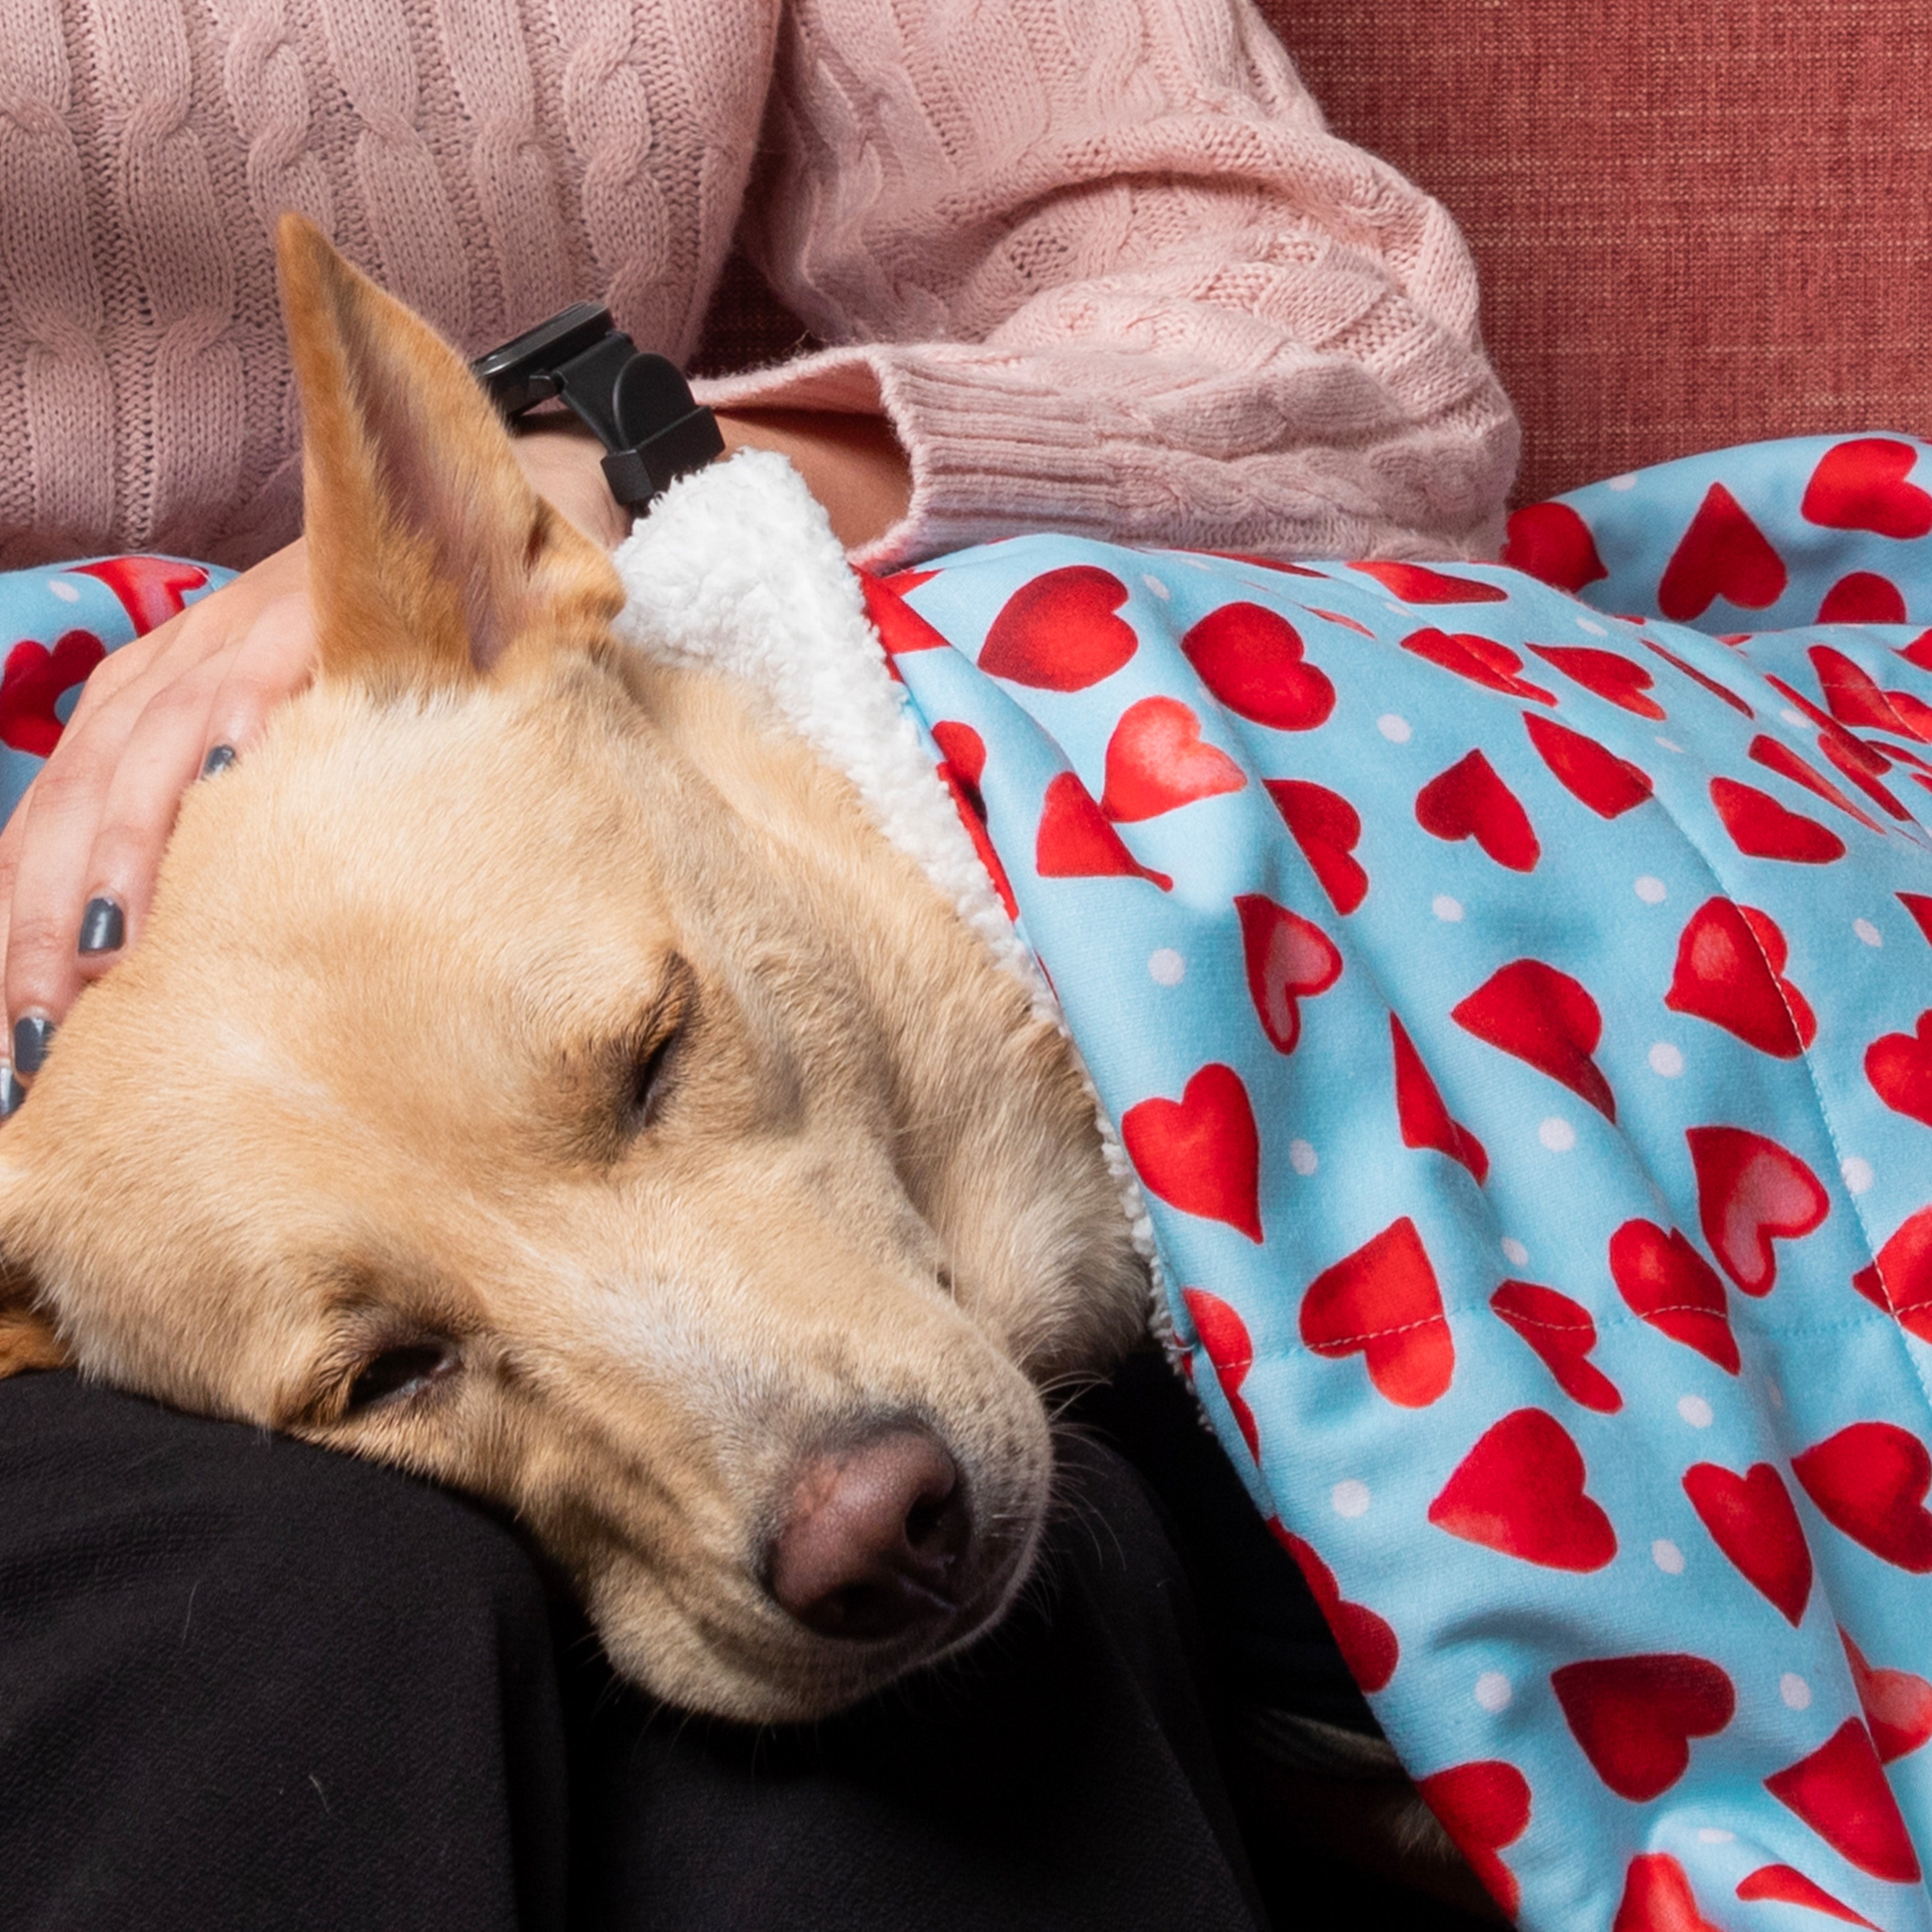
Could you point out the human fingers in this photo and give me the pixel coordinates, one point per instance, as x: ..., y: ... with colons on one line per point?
x: 45, y: 849
x: 194, y: 726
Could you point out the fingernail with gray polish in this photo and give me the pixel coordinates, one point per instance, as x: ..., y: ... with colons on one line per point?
x: 32, y: 1032
x: 11, y: 1092
x: 103, y: 928
x: 218, y: 760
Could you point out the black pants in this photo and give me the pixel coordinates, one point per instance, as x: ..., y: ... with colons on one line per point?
x: 246, y: 1683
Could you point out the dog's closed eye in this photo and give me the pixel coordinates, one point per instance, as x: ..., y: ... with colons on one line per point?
x: 397, y: 1374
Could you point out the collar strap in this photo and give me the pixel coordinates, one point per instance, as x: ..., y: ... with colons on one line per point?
x: 636, y: 404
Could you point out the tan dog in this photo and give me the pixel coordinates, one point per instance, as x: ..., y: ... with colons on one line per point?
x: 538, y: 1072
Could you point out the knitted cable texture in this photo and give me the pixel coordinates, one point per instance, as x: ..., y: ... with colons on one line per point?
x: 1102, y: 266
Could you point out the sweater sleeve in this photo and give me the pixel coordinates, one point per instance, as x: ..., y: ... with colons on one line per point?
x: 1105, y: 271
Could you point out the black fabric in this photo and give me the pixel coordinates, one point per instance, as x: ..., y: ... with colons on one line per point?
x: 245, y: 1683
x: 1266, y: 1633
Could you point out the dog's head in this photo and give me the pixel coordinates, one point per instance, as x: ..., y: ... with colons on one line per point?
x: 535, y: 1073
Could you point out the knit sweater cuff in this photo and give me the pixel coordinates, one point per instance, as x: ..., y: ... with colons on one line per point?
x: 998, y: 449
x: 992, y: 453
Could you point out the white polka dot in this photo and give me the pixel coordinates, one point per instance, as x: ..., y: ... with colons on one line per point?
x: 1652, y: 892
x: 1696, y: 1411
x: 1671, y: 745
x: 1666, y: 1059
x: 1494, y: 1690
x: 1868, y: 932
x: 1397, y: 610
x: 1594, y: 629
x: 1165, y: 967
x: 1557, y: 1135
x: 1794, y: 1692
x: 1154, y: 584
x: 1303, y: 1158
x: 67, y: 593
x: 1446, y: 909
x: 1797, y: 718
x: 1621, y: 483
x: 1773, y: 1394
x: 1715, y: 1834
x: 1514, y: 1252
x: 1194, y: 563
x: 1394, y: 729
x: 1349, y: 1497
x: 1857, y: 1173
x: 1667, y: 1556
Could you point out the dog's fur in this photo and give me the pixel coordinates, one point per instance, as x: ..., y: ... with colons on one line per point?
x: 552, y: 1029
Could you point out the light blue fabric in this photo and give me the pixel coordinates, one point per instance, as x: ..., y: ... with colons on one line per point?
x: 1386, y: 1240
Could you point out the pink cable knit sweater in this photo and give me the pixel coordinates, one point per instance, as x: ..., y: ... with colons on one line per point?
x: 1099, y: 263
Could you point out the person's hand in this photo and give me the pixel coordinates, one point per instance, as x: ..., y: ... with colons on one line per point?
x: 78, y: 857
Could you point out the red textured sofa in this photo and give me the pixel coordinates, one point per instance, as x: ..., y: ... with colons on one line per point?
x: 1696, y: 225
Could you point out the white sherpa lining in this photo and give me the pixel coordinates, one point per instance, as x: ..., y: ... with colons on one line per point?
x: 735, y: 569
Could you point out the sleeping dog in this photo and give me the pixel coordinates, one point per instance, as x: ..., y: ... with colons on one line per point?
x: 539, y: 1073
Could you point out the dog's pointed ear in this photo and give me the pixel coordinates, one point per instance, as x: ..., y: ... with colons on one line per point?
x: 431, y: 559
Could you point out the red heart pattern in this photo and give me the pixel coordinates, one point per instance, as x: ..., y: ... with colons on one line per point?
x: 1900, y: 1278
x: 1761, y: 828
x: 1635, y: 1718
x: 1722, y: 554
x: 1060, y: 632
x: 1610, y: 786
x: 1898, y: 1705
x: 1481, y: 660
x: 1382, y: 1303
x: 1157, y: 762
x: 1666, y: 1282
x: 1425, y: 1120
x: 1485, y: 1807
x: 34, y: 680
x: 1618, y: 680
x: 1417, y: 583
x: 1870, y: 1481
x: 1780, y: 758
x: 1366, y: 1641
x: 1327, y: 828
x: 1840, y: 1791
x: 1469, y: 801
x: 151, y: 589
x: 1074, y: 841
x: 1289, y: 959
x: 1785, y: 1884
x: 1752, y: 1520
x: 1899, y: 1065
x: 1200, y: 1154
x: 1863, y: 597
x: 1657, y: 1897
x: 1730, y: 968
x: 1553, y: 543
x: 1520, y: 1491
x: 1252, y: 660
x: 1542, y: 1016
x: 1861, y: 485
x: 1224, y: 1335
x: 1751, y: 1191
x: 1562, y: 1333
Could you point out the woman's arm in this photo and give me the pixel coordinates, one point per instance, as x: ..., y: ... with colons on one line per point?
x: 1103, y: 269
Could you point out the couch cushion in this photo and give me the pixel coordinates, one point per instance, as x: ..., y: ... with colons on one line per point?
x: 1696, y: 225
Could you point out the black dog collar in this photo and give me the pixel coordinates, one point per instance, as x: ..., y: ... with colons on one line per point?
x: 637, y: 404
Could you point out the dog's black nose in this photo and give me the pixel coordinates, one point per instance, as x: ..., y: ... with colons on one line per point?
x: 874, y: 1543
